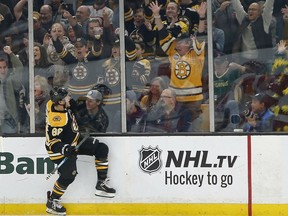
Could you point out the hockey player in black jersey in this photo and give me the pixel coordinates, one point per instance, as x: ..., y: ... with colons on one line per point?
x: 62, y: 138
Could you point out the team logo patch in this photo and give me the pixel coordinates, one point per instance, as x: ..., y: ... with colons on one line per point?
x: 53, y: 56
x: 112, y: 76
x: 182, y: 70
x: 57, y: 118
x: 150, y: 159
x: 80, y: 72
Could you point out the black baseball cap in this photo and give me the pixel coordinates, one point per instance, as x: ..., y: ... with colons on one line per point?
x: 260, y: 97
x: 81, y: 41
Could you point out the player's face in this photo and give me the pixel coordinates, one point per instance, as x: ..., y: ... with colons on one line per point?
x: 65, y: 102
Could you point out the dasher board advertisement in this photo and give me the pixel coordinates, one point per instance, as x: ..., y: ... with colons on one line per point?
x: 166, y: 169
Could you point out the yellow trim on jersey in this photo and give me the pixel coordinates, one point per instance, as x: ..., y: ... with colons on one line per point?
x: 50, y: 143
x: 56, y: 119
x: 63, y: 53
x: 55, y: 156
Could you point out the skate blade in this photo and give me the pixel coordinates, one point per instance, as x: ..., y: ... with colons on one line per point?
x: 51, y: 211
x: 104, y: 194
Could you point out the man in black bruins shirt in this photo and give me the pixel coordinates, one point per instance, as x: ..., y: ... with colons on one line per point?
x: 62, y: 138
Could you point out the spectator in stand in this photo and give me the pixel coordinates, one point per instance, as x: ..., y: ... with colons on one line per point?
x: 42, y: 66
x: 110, y: 76
x: 39, y: 31
x: 225, y: 19
x: 254, y: 37
x: 172, y: 24
x: 53, y: 56
x: 134, y: 113
x: 189, y: 14
x: 41, y: 96
x: 259, y: 118
x: 229, y: 93
x: 10, y: 90
x: 81, y: 65
x: 71, y: 34
x: 218, y: 37
x: 81, y: 20
x: 98, y: 8
x: 93, y: 116
x: 149, y: 101
x: 164, y: 117
x: 139, y: 30
x: 186, y: 56
x: 140, y: 75
x: 101, y: 30
x: 46, y: 17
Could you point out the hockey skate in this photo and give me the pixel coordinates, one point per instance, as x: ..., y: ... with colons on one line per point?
x: 104, y: 190
x: 54, y: 207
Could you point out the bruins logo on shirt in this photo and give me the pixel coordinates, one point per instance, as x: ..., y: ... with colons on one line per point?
x: 54, y: 57
x: 182, y: 70
x: 136, y: 36
x: 112, y: 76
x: 80, y: 72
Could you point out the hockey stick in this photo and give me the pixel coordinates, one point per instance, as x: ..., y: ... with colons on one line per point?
x: 66, y: 158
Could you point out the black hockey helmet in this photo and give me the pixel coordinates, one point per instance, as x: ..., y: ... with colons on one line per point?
x: 58, y: 93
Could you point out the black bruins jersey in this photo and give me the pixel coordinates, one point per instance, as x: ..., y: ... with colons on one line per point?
x: 61, y: 129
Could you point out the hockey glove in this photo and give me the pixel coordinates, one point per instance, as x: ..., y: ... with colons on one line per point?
x: 68, y: 150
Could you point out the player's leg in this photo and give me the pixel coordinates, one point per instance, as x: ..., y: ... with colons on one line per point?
x: 100, y: 150
x: 67, y: 174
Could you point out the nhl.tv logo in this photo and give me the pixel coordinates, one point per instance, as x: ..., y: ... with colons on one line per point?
x: 150, y: 159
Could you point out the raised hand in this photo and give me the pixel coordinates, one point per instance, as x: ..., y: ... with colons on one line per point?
x: 155, y: 8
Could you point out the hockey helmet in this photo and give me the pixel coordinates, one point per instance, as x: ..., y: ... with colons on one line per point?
x: 57, y: 94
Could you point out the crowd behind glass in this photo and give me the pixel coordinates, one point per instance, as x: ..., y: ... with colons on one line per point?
x: 77, y: 46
